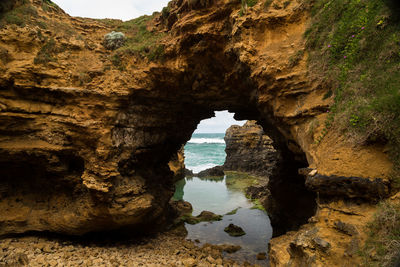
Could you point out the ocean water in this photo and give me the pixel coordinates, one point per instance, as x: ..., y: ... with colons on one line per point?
x: 222, y: 195
x: 205, y: 151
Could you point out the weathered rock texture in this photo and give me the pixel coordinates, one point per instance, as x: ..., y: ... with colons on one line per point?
x: 177, y: 164
x: 85, y: 146
x: 248, y: 149
x: 214, y: 171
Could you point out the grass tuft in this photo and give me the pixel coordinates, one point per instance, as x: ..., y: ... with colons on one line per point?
x: 246, y: 4
x: 257, y: 205
x: 232, y: 212
x: 48, y: 53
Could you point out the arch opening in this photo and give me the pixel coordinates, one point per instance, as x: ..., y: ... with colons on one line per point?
x: 289, y: 203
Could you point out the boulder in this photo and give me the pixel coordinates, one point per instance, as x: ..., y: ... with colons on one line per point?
x: 204, y: 216
x: 249, y: 149
x: 216, y: 171
x: 234, y: 230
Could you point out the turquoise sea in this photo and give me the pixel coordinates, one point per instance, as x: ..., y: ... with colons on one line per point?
x: 224, y: 196
x: 205, y: 150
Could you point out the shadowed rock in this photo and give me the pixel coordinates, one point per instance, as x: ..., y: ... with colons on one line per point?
x: 249, y: 149
x: 216, y: 171
x: 351, y: 187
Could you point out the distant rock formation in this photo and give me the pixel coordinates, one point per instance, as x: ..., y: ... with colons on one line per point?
x: 248, y: 149
x: 214, y: 171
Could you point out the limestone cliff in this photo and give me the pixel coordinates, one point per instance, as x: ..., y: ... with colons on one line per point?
x: 86, y: 134
x: 248, y: 149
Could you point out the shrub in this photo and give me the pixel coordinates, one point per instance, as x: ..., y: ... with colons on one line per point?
x: 47, y: 4
x: 141, y: 41
x: 6, y: 5
x: 117, y: 61
x: 14, y: 19
x: 382, y: 247
x: 4, y: 55
x: 251, y: 3
x: 114, y: 40
x: 165, y: 12
x: 156, y: 53
x: 138, y: 39
x: 46, y: 53
x: 295, y: 59
x: 20, y: 15
x: 267, y: 4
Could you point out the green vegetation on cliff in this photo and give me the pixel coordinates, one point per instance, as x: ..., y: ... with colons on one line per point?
x: 383, y: 244
x: 21, y: 13
x: 140, y: 41
x: 355, y: 45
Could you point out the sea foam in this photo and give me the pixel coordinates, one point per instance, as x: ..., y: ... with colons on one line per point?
x: 201, y: 167
x: 207, y: 141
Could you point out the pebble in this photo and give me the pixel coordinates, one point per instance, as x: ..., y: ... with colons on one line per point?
x: 167, y: 249
x: 261, y: 256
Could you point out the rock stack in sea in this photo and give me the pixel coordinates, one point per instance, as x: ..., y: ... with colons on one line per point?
x: 249, y: 149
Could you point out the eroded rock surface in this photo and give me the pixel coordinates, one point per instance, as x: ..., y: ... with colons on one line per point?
x: 177, y: 164
x: 85, y: 142
x: 216, y: 171
x: 249, y: 149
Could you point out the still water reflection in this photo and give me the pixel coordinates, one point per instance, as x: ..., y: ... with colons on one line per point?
x: 221, y: 196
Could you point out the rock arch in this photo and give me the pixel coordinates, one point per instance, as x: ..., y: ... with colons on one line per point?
x: 102, y: 149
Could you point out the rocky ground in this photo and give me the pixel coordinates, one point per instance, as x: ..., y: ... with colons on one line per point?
x: 165, y: 249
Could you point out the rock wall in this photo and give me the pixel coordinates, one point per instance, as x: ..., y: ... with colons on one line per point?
x: 85, y: 144
x: 248, y: 149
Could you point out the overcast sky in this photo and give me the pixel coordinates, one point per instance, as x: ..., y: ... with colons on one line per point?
x: 218, y: 124
x: 115, y: 9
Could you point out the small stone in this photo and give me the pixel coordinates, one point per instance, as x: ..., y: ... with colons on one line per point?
x: 230, y: 248
x: 234, y: 230
x: 321, y: 244
x: 22, y: 259
x: 210, y: 259
x: 313, y: 172
x: 53, y: 262
x: 47, y: 248
x: 261, y: 256
x: 189, y: 262
x: 313, y: 220
x: 346, y: 228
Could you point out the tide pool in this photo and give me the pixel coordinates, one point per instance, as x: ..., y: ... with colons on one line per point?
x: 221, y: 196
